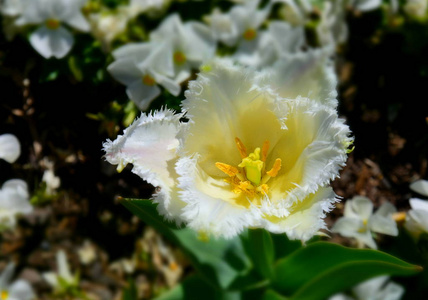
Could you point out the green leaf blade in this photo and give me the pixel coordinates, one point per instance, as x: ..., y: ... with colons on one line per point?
x: 318, y: 262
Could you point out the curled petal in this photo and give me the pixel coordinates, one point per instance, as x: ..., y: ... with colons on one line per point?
x: 150, y: 145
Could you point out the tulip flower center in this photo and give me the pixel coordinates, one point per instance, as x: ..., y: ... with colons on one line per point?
x: 179, y: 58
x: 4, y: 295
x: 52, y: 24
x: 148, y: 80
x: 250, y: 177
x: 250, y: 34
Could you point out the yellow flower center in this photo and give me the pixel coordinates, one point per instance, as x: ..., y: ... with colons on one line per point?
x: 250, y: 177
x: 364, y: 227
x: 4, y: 295
x: 179, y: 58
x: 52, y: 24
x: 250, y: 34
x: 148, y: 80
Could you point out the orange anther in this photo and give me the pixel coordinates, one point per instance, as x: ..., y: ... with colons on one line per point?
x: 241, y: 148
x: 265, y: 149
x: 275, y: 169
x: 227, y: 169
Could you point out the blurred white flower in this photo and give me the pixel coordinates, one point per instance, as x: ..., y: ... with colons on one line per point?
x: 332, y: 28
x: 378, y: 288
x: 250, y: 156
x: 18, y: 290
x: 420, y: 187
x: 62, y: 279
x: 416, y: 8
x: 359, y: 221
x: 14, y: 200
x: 10, y: 148
x: 222, y: 27
x: 142, y: 67
x: 52, y: 182
x: 137, y: 7
x: 187, y: 45
x: 365, y: 5
x: 52, y: 38
x: 280, y: 39
x: 417, y: 217
x: 108, y: 25
x: 87, y: 253
x: 13, y: 8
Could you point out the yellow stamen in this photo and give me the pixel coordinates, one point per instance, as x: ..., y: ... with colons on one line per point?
x: 253, y: 166
x: 241, y: 148
x: 265, y: 149
x: 52, y: 24
x: 227, y: 169
x: 275, y: 169
x: 148, y: 80
x: 4, y: 295
x: 173, y: 266
x: 263, y: 188
x: 179, y: 58
x: 250, y: 34
x: 399, y: 216
x: 251, y: 181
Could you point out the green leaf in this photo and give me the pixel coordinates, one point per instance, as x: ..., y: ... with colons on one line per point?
x: 283, y: 245
x: 193, y: 287
x: 260, y: 249
x: 130, y: 292
x: 322, y: 269
x: 219, y: 261
x: 272, y: 295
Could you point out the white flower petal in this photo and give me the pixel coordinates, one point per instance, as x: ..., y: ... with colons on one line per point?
x: 142, y: 94
x: 417, y: 221
x: 51, y: 278
x: 309, y: 74
x: 386, y: 210
x: 14, y: 197
x: 306, y: 217
x: 138, y: 51
x: 10, y: 148
x: 7, y: 275
x: 366, y: 5
x: 126, y: 71
x: 63, y: 267
x: 419, y: 204
x: 362, y: 206
x: 369, y: 288
x: 78, y: 21
x: 347, y: 226
x: 21, y: 290
x: 206, y: 209
x: 50, y: 43
x: 420, y: 187
x: 385, y: 225
x: 289, y: 39
x: 150, y: 145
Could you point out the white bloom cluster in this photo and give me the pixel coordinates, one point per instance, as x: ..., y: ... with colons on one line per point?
x: 62, y: 279
x: 51, y: 38
x: 259, y: 149
x: 18, y: 290
x: 14, y: 197
x: 14, y: 200
x: 417, y: 216
x: 359, y: 221
x: 378, y: 288
x: 174, y: 49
